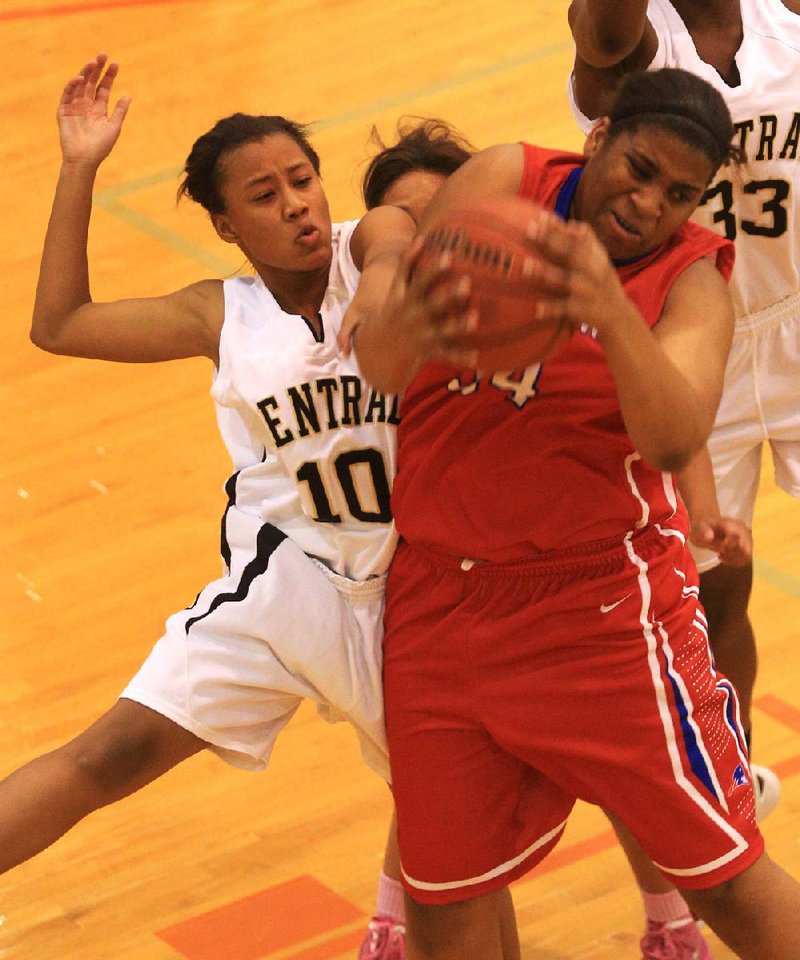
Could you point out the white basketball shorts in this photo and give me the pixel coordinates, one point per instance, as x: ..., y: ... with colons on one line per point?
x: 279, y: 627
x: 759, y: 405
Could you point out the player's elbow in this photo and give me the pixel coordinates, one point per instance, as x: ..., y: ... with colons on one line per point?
x: 41, y: 338
x: 674, y: 454
x: 604, y: 45
x: 672, y: 461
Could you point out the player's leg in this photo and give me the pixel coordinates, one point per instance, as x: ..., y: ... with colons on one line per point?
x: 670, y: 927
x: 472, y: 817
x: 725, y: 595
x: 481, y: 927
x: 757, y: 913
x: 724, y: 592
x: 754, y: 406
x: 692, y: 807
x: 125, y: 749
x: 386, y: 932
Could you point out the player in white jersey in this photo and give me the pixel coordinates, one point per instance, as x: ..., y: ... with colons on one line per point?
x: 750, y: 51
x: 307, y: 533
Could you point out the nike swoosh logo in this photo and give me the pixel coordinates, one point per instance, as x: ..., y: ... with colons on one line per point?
x: 608, y: 607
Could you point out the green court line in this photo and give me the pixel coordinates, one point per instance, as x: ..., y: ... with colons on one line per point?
x: 777, y: 578
x: 111, y: 195
x: 453, y: 83
x: 219, y: 266
x: 111, y: 199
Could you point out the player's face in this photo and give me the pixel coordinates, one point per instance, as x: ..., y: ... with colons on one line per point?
x: 639, y: 188
x: 275, y: 208
x: 413, y: 191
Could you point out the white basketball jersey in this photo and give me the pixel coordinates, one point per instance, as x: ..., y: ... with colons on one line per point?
x: 313, y: 445
x: 756, y: 203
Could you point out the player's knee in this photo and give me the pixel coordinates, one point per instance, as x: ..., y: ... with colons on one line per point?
x: 726, y: 902
x: 109, y: 764
x: 713, y: 902
x: 451, y: 930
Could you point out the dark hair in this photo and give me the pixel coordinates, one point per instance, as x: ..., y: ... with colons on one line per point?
x: 202, y: 177
x: 422, y: 144
x: 679, y: 102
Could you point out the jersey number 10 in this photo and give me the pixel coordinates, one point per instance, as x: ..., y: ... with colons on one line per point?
x: 348, y: 474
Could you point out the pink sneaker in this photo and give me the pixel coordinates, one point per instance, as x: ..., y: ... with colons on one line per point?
x: 386, y: 940
x: 677, y: 940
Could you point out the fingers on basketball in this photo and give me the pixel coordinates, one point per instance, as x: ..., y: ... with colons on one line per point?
x: 488, y: 241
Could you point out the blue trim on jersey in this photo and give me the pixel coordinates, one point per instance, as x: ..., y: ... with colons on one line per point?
x: 567, y: 192
x: 696, y: 760
x: 267, y: 542
x: 730, y: 716
x: 564, y: 202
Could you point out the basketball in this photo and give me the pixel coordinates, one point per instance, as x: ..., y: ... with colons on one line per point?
x: 487, y: 241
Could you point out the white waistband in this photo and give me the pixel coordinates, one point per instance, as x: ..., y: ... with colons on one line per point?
x: 355, y: 589
x: 773, y: 315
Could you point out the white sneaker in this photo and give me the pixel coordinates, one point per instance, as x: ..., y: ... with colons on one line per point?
x: 767, y: 788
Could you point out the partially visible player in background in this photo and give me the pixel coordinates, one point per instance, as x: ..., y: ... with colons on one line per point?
x: 307, y: 533
x: 543, y: 636
x: 406, y: 175
x: 749, y: 50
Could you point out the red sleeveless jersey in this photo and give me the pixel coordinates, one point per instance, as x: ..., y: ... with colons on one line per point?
x: 496, y: 467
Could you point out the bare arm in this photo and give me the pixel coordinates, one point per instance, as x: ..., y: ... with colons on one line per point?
x: 611, y: 37
x: 606, y: 32
x: 668, y: 379
x: 425, y: 313
x: 65, y: 320
x: 728, y: 537
x: 378, y: 246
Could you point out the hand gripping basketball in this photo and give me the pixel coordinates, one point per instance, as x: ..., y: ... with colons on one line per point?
x: 486, y: 240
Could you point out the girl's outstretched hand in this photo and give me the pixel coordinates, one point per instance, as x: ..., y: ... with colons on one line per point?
x: 86, y: 129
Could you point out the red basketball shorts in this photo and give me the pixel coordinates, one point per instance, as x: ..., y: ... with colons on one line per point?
x: 513, y: 689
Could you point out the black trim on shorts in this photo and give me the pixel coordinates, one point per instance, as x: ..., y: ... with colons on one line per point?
x: 224, y: 546
x: 267, y: 542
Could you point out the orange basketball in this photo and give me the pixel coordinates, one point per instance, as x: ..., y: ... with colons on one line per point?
x: 487, y: 241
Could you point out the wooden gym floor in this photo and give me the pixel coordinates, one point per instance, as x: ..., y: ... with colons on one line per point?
x: 111, y: 485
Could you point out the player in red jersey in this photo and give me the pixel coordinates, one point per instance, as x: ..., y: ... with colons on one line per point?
x: 544, y: 640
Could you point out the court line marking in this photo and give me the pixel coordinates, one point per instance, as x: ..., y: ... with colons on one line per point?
x: 111, y: 199
x: 777, y: 578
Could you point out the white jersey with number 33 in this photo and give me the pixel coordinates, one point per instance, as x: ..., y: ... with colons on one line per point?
x: 755, y: 201
x: 313, y: 445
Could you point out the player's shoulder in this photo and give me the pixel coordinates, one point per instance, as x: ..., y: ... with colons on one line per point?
x: 499, y: 166
x: 202, y: 299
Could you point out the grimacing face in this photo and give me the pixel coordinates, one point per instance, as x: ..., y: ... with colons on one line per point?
x: 276, y: 210
x: 639, y: 187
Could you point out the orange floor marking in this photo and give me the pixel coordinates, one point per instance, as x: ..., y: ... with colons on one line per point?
x: 332, y: 948
x: 303, y: 909
x: 779, y: 710
x: 275, y: 919
x: 786, y: 768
